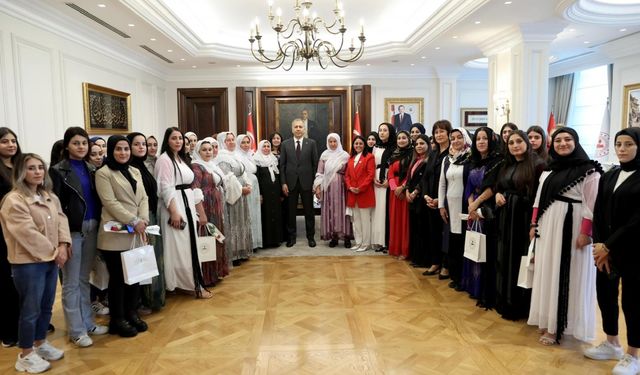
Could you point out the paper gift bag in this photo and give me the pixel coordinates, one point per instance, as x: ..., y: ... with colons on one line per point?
x: 99, y: 276
x: 139, y: 264
x: 525, y: 273
x: 206, y: 248
x: 475, y: 244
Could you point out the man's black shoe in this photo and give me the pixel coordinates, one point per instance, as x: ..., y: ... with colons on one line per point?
x: 291, y: 242
x: 312, y: 242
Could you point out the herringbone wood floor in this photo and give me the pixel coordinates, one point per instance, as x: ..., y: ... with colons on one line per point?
x: 323, y: 315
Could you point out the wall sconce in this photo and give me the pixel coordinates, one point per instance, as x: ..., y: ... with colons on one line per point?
x: 504, y: 109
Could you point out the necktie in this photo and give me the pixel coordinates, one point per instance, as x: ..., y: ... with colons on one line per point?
x: 298, y: 149
x: 401, y: 116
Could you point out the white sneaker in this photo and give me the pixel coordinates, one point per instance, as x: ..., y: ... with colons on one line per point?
x: 99, y: 308
x: 49, y: 352
x: 362, y: 248
x: 98, y: 330
x: 628, y: 365
x: 604, y: 351
x: 81, y: 341
x: 32, y: 363
x: 355, y: 247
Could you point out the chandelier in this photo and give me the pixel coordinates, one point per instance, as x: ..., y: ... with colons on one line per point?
x: 299, y: 40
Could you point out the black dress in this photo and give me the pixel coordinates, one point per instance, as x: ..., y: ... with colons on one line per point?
x: 271, y: 208
x: 418, y: 212
x: 513, y: 219
x: 10, y: 312
x: 434, y: 228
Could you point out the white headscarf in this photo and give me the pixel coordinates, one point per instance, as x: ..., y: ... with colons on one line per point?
x: 334, y: 160
x: 210, y: 165
x: 245, y: 157
x: 224, y: 155
x: 269, y: 161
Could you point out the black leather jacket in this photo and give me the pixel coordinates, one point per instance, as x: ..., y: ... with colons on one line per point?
x: 67, y: 187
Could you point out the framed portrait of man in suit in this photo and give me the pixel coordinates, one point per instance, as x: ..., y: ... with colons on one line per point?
x: 403, y: 112
x: 316, y: 115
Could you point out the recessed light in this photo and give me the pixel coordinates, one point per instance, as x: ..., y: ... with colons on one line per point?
x: 477, y: 22
x: 368, y: 64
x: 131, y: 25
x: 182, y: 59
x: 237, y: 66
x: 193, y: 66
x: 572, y: 30
x: 101, y: 6
x: 413, y: 64
x: 437, y: 47
x: 586, y: 42
x: 169, y: 50
x: 153, y: 39
x: 423, y: 57
x: 623, y: 30
x: 508, y: 2
x: 455, y: 37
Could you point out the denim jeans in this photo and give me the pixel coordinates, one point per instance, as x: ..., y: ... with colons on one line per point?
x: 36, y: 285
x: 76, y: 300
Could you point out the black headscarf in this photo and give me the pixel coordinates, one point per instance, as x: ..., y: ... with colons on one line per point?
x: 476, y: 157
x: 375, y: 135
x: 150, y: 185
x: 388, y: 147
x: 420, y: 127
x: 114, y: 165
x: 634, y: 133
x: 403, y: 154
x: 565, y: 170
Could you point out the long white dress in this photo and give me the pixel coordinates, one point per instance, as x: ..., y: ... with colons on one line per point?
x: 178, y: 270
x: 254, y: 209
x: 380, y: 210
x: 581, y: 316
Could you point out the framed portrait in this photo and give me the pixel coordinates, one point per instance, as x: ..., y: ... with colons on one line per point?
x: 106, y: 111
x: 473, y: 118
x: 317, y: 113
x: 631, y: 106
x: 402, y: 112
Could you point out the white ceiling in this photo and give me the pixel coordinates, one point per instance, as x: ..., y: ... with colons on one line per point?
x: 402, y: 35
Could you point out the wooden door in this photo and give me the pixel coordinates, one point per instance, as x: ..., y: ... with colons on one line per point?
x: 203, y: 111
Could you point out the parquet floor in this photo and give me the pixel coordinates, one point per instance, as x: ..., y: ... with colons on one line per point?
x: 323, y: 315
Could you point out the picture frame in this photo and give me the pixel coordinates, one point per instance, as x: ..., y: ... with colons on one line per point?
x: 631, y: 106
x: 414, y: 107
x: 319, y: 122
x: 473, y: 118
x: 106, y: 111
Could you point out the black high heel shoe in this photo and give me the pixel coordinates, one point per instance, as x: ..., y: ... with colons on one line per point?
x: 139, y: 324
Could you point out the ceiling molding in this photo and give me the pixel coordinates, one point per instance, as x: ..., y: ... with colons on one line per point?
x: 599, y: 12
x: 502, y: 41
x: 622, y: 47
x: 45, y: 17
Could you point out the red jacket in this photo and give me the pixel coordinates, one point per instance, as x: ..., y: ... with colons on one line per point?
x: 361, y: 177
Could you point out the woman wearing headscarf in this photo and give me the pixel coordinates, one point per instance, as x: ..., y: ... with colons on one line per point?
x: 430, y: 187
x: 417, y: 206
x: 275, y: 139
x: 398, y: 207
x: 121, y: 190
x: 244, y: 154
x: 451, y: 202
x: 238, y: 241
x: 270, y: 194
x: 381, y: 154
x: 478, y: 190
x: 538, y: 141
x: 153, y: 295
x: 563, y: 292
x: 515, y: 191
x: 152, y: 154
x: 191, y: 139
x: 371, y: 141
x: 616, y: 223
x: 416, y: 130
x: 208, y: 178
x: 177, y: 203
x: 329, y: 187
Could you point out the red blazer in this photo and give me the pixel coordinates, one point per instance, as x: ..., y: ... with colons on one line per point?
x: 361, y: 177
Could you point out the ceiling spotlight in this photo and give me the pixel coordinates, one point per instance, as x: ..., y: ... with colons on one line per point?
x: 237, y: 66
x: 101, y: 6
x: 455, y: 37
x: 368, y: 64
x: 437, y: 47
x: 571, y: 30
x: 193, y: 66
x: 182, y: 59
x: 508, y: 2
x: 131, y: 25
x: 169, y: 50
x: 477, y: 22
x: 623, y: 30
x: 153, y: 39
x: 423, y: 57
x: 586, y: 42
x: 413, y: 64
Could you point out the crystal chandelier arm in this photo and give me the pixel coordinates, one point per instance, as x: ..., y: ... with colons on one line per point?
x: 291, y: 28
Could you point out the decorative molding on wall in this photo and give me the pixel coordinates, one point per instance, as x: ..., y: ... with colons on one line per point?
x: 4, y: 93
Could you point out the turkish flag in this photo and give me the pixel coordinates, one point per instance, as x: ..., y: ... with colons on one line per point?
x: 552, y: 124
x: 251, y: 131
x: 356, y: 125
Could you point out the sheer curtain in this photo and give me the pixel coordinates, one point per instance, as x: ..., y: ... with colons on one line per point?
x: 560, y: 93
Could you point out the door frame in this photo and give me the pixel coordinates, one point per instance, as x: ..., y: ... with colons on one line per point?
x: 222, y: 113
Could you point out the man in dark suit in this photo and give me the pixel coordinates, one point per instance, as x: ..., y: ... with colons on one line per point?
x: 402, y: 121
x: 298, y: 165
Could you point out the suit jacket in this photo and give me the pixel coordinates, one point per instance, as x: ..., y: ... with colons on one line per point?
x: 293, y: 169
x: 361, y: 177
x: 405, y: 124
x: 121, y: 204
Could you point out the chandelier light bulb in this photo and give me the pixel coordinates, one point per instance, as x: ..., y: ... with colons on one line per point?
x: 279, y: 12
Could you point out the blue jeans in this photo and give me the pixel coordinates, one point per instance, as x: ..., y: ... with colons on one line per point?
x: 36, y: 285
x: 76, y: 300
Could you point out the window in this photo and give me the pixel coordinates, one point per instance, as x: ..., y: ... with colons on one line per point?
x: 588, y: 103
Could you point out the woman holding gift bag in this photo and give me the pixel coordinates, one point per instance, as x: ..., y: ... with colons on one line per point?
x: 563, y: 294
x: 121, y: 191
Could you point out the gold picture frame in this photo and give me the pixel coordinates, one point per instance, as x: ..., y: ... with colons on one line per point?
x: 106, y: 111
x: 631, y: 106
x: 413, y: 107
